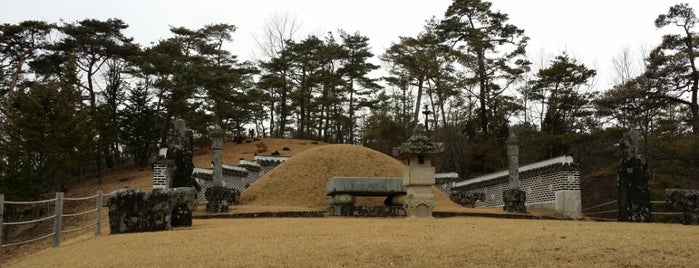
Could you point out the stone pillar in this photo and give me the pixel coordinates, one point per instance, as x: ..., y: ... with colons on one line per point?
x: 513, y: 160
x: 218, y: 197
x: 217, y: 149
x: 513, y: 197
x: 418, y: 177
x: 632, y: 180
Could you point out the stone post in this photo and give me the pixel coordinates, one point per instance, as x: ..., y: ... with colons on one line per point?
x: 180, y: 131
x: 217, y: 149
x: 418, y: 177
x: 513, y: 197
x: 513, y: 160
x: 217, y: 196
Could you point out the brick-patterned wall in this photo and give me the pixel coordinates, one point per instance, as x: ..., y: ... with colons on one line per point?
x: 540, y: 188
x: 159, y: 175
x: 540, y: 180
x: 237, y: 177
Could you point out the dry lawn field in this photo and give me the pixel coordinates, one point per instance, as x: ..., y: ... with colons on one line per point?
x: 298, y: 185
x: 383, y: 242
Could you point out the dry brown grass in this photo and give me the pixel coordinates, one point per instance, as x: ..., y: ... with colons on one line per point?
x: 379, y: 242
x: 129, y: 177
x: 373, y: 242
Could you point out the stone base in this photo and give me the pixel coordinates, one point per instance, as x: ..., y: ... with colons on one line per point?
x: 219, y: 198
x: 367, y: 211
x: 217, y: 206
x: 419, y: 202
x: 568, y: 204
x: 514, y: 200
x: 134, y: 210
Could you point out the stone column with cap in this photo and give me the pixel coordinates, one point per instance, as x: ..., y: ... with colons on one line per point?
x: 418, y: 177
x: 513, y: 197
x: 217, y: 149
x: 218, y: 197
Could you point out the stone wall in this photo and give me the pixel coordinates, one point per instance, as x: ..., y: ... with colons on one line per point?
x: 239, y: 176
x: 552, y: 184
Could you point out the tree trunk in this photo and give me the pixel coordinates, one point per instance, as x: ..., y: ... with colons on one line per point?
x: 483, y: 94
x: 351, y: 111
x: 420, y: 83
x: 15, y: 77
x: 271, y: 119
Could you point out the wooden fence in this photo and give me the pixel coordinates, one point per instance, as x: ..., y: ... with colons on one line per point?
x: 57, y: 218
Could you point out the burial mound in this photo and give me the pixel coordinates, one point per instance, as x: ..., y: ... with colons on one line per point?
x: 300, y: 181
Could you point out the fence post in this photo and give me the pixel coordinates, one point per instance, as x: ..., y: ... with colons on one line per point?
x: 99, y: 213
x: 57, y: 220
x: 2, y: 222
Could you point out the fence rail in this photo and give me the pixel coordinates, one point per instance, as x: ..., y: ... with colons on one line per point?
x: 652, y: 202
x: 600, y: 205
x: 57, y: 218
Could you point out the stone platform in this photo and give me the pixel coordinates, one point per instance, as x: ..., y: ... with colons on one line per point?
x: 344, y: 192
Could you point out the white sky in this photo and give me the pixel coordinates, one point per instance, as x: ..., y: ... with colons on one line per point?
x: 592, y: 31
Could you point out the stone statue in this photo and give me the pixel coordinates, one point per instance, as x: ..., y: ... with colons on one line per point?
x: 179, y: 157
x: 467, y: 199
x: 685, y: 200
x: 632, y: 180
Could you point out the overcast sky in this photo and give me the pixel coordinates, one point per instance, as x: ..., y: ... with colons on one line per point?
x: 593, y: 31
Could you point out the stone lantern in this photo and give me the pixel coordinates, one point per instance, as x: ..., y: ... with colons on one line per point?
x: 418, y: 177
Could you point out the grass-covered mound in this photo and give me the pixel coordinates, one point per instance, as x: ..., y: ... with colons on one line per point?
x: 301, y: 180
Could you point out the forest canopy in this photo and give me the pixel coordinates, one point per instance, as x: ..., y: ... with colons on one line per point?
x: 79, y: 97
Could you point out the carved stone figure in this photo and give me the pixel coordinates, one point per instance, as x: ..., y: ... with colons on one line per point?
x: 179, y: 157
x: 632, y: 180
x: 466, y: 199
x: 685, y: 200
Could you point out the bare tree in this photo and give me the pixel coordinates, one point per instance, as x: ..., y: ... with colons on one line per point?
x: 279, y: 28
x: 624, y: 66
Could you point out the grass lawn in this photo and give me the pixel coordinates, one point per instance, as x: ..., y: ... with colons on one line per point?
x: 381, y: 242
